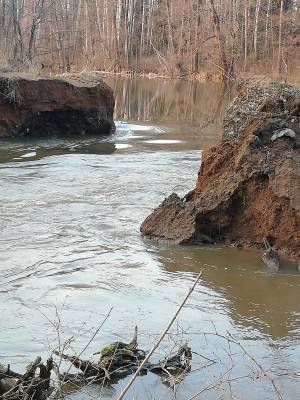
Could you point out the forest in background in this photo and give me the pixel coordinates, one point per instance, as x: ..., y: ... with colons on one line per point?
x: 165, y: 37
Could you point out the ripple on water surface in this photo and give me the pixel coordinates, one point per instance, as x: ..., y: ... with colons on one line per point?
x: 70, y: 215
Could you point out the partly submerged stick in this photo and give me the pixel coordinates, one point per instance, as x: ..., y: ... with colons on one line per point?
x: 155, y: 346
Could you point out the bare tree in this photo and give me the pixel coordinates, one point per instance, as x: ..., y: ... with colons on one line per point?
x: 246, y: 33
x: 163, y: 36
x: 267, y: 27
x: 38, y: 13
x: 257, y: 9
x: 221, y: 42
x: 280, y: 37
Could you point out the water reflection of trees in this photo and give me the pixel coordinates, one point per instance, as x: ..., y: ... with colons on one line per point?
x: 167, y: 101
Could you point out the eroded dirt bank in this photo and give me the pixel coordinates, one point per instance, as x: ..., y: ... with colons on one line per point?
x: 248, y: 186
x: 35, y: 105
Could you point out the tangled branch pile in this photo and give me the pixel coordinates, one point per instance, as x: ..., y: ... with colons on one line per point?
x: 14, y: 386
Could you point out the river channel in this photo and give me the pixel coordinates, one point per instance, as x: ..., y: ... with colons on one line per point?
x: 70, y: 249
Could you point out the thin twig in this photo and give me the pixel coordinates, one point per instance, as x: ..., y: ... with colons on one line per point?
x: 211, y: 385
x: 230, y: 339
x: 96, y: 332
x: 155, y: 346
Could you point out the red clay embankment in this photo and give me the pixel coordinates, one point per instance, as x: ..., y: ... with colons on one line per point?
x: 36, y: 105
x: 248, y: 186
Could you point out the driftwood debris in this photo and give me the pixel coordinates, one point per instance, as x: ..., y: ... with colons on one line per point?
x: 125, y: 359
x: 173, y: 368
x: 30, y: 385
x: 119, y: 359
x: 160, y: 339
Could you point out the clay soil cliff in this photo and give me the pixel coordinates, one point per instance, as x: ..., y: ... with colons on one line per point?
x: 248, y: 186
x: 60, y: 105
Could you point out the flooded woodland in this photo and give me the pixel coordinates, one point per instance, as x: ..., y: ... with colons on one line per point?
x: 70, y: 211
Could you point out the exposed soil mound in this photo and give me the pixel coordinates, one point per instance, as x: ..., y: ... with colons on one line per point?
x: 34, y: 105
x: 248, y: 187
x: 260, y: 95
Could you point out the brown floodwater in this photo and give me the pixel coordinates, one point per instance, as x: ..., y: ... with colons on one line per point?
x: 70, y: 211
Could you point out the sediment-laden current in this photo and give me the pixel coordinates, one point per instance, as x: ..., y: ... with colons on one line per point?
x: 70, y: 245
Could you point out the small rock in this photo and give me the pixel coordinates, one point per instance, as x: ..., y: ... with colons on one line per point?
x: 285, y: 132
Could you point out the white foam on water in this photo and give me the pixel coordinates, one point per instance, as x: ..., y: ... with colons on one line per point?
x: 161, y: 129
x: 27, y: 155
x: 130, y: 128
x: 134, y: 127
x: 119, y: 146
x: 163, y: 141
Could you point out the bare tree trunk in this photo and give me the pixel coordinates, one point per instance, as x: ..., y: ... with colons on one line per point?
x: 171, y: 42
x: 36, y: 20
x: 99, y: 29
x: 75, y: 31
x: 17, y: 11
x: 280, y: 38
x: 170, y: 30
x: 257, y: 8
x: 142, y: 40
x: 221, y: 43
x: 246, y: 34
x: 267, y: 28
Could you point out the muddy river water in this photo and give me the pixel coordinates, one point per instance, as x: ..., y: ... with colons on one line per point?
x: 70, y: 249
